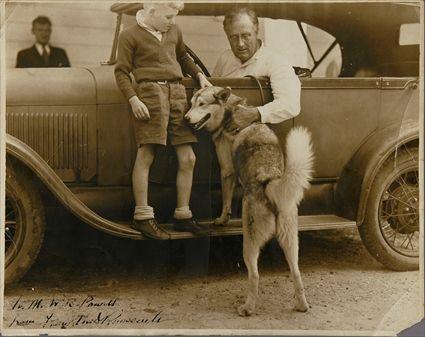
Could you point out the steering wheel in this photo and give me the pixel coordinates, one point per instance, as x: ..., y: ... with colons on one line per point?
x: 198, y: 61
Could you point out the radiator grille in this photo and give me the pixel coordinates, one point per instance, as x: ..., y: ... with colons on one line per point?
x: 63, y: 139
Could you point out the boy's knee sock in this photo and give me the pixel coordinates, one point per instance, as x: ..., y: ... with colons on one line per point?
x: 182, y: 213
x: 143, y: 213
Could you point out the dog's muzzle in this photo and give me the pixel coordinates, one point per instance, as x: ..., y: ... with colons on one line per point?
x: 202, y: 122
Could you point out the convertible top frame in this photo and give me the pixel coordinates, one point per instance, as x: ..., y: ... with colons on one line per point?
x: 376, y: 50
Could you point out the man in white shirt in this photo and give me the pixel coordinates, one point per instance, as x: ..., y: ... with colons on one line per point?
x: 249, y: 56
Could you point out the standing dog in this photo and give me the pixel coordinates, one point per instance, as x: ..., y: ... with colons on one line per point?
x: 273, y: 186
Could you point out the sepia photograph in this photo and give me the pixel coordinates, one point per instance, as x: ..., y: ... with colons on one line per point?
x: 279, y: 190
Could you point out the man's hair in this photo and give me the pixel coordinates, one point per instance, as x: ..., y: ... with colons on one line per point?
x: 238, y: 12
x: 178, y: 5
x: 41, y: 20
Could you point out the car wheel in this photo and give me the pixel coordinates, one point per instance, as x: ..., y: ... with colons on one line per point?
x: 24, y: 223
x: 391, y: 228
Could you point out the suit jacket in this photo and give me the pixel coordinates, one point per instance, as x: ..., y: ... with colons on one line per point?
x: 30, y: 58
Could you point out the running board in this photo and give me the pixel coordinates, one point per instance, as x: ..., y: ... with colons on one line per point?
x: 234, y: 227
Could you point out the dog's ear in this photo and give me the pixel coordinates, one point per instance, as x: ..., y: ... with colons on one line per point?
x: 223, y: 95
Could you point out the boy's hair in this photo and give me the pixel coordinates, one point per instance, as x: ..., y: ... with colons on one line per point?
x: 178, y: 5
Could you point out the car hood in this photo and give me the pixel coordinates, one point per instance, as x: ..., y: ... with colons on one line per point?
x: 52, y: 86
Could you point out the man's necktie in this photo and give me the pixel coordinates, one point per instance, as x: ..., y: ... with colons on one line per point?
x: 45, y: 56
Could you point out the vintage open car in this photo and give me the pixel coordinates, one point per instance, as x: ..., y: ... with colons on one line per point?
x: 70, y: 135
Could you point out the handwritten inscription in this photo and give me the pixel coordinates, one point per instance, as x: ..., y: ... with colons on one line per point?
x: 73, y: 312
x: 113, y: 318
x: 40, y: 303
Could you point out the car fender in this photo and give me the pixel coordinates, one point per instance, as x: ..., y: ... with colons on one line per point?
x: 31, y: 159
x: 356, y: 179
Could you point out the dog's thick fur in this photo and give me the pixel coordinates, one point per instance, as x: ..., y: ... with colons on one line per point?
x: 273, y: 184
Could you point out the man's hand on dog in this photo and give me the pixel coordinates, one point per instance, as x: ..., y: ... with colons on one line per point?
x: 242, y: 117
x: 139, y: 108
x: 203, y: 82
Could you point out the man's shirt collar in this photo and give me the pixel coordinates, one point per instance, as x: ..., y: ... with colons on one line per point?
x: 39, y: 48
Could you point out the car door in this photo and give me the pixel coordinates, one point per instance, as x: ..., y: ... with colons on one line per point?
x: 340, y: 113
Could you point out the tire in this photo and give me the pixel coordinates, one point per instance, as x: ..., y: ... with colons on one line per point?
x: 24, y: 222
x: 390, y: 230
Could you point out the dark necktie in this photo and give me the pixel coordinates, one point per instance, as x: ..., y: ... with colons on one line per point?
x: 45, y: 56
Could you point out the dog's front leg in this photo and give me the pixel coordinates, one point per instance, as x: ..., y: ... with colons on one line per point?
x: 227, y: 187
x: 227, y: 173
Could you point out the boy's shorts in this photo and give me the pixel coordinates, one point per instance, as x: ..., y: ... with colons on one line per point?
x: 167, y: 105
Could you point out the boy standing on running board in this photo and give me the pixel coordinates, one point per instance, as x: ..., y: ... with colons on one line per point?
x: 154, y: 52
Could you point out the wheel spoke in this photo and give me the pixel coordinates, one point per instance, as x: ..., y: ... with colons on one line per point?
x: 407, y: 195
x: 10, y: 213
x: 408, y: 151
x: 398, y: 199
x: 402, y: 227
x: 405, y: 239
x: 398, y: 215
x: 8, y: 236
x: 11, y: 239
x: 403, y: 186
x: 410, y: 241
x: 392, y: 235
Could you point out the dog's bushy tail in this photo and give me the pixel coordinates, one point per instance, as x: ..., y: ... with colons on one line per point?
x: 288, y: 191
x: 298, y: 157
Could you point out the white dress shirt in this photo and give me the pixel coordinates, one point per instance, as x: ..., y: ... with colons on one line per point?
x: 286, y: 86
x: 39, y: 48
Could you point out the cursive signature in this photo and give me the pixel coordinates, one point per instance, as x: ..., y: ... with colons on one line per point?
x: 70, y: 312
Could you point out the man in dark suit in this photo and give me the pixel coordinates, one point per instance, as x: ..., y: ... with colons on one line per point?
x: 41, y: 54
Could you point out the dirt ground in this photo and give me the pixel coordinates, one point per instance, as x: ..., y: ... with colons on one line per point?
x: 92, y: 281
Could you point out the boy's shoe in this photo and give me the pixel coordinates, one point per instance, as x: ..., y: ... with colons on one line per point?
x: 190, y: 225
x: 150, y: 229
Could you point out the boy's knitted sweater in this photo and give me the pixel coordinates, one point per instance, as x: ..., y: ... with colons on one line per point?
x: 149, y: 59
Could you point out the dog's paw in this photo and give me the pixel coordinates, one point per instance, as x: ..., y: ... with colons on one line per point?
x: 245, y: 310
x: 222, y: 220
x: 301, y: 305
